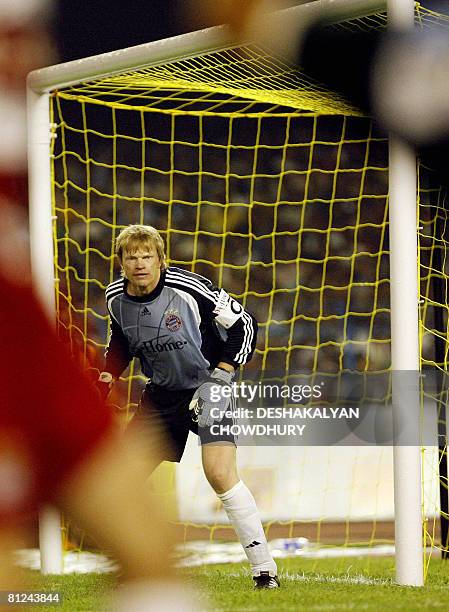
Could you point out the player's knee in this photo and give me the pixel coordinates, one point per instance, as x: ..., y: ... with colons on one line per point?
x: 220, y: 478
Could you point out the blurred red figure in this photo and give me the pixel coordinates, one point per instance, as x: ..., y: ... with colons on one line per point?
x: 58, y: 441
x: 59, y: 444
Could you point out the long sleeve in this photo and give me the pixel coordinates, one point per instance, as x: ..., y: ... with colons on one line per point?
x: 240, y: 344
x: 241, y: 329
x: 217, y: 308
x: 117, y: 355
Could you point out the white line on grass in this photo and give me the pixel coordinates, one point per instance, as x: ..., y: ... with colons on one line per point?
x: 345, y: 579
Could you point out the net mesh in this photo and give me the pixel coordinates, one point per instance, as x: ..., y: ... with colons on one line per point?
x: 276, y: 189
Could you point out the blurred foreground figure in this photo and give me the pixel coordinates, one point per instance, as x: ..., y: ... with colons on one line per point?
x: 399, y: 77
x: 58, y: 444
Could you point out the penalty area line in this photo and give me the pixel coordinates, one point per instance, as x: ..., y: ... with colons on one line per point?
x: 327, y: 578
x: 346, y: 579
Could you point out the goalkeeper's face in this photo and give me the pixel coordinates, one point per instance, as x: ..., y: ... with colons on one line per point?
x: 142, y: 269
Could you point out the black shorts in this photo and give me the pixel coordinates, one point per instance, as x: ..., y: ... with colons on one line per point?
x: 164, y: 417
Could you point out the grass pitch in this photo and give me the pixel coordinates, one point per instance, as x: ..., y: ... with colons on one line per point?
x: 327, y: 584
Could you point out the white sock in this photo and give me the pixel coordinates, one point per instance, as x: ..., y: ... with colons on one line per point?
x: 242, y: 512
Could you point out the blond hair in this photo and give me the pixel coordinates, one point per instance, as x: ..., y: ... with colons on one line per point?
x: 134, y: 237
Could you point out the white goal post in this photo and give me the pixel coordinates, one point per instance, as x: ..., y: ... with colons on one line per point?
x: 403, y: 237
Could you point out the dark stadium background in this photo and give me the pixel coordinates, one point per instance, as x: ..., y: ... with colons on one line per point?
x: 105, y: 25
x: 97, y: 26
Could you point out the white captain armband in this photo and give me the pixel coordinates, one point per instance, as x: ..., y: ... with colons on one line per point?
x: 227, y: 310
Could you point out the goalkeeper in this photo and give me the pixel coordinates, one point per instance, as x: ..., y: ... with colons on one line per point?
x: 189, y: 336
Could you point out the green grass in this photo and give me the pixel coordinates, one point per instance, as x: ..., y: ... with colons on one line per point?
x: 327, y: 584
x: 80, y: 592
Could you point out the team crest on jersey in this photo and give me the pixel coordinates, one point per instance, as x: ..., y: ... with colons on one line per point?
x: 172, y: 320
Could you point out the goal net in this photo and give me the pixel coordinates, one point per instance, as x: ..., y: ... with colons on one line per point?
x: 276, y: 189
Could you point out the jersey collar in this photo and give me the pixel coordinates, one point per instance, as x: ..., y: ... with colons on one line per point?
x: 148, y: 297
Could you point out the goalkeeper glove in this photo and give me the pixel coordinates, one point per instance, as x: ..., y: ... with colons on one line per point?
x: 104, y: 385
x: 212, y: 398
